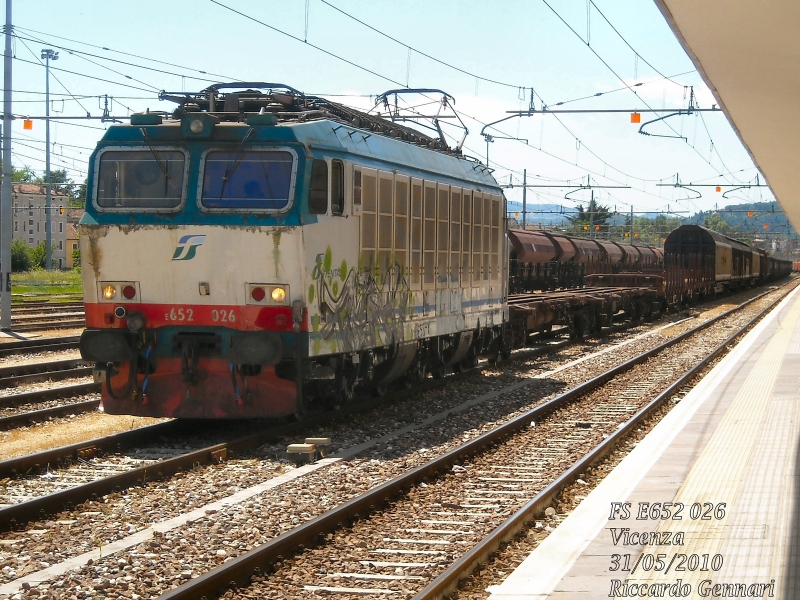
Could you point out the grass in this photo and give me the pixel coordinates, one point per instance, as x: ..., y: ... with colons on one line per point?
x: 41, y: 285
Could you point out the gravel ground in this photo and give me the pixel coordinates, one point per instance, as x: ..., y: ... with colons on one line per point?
x: 259, y: 519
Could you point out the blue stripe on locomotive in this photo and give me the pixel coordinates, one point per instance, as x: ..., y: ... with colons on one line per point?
x: 317, y: 139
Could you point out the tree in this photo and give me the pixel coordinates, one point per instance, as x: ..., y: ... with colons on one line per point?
x: 718, y: 224
x: 76, y: 258
x: 20, y: 256
x: 584, y: 219
x: 38, y: 255
x: 24, y: 175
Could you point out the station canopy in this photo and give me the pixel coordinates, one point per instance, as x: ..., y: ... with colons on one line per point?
x: 748, y: 53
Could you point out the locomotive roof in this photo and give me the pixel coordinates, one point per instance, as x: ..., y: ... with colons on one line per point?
x: 317, y: 123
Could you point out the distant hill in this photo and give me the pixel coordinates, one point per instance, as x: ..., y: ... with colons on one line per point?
x: 546, y: 214
x: 736, y: 215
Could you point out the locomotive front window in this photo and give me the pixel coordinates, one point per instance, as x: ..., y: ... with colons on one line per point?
x: 140, y: 179
x: 247, y: 180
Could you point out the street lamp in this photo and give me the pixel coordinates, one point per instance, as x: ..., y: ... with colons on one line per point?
x: 47, y: 55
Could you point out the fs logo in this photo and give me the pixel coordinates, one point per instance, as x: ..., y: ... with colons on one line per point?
x: 187, y: 247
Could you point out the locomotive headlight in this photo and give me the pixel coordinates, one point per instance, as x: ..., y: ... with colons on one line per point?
x: 117, y: 291
x: 278, y: 294
x: 196, y: 126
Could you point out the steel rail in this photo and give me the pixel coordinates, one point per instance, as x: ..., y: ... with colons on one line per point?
x: 66, y: 391
x: 11, y: 467
x: 447, y: 581
x: 77, y: 371
x: 49, y: 325
x: 238, y: 571
x: 67, y: 342
x: 47, y: 413
x: 17, y: 514
x: 41, y: 367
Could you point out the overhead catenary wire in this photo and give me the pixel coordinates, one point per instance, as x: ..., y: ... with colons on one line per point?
x: 329, y: 53
x: 55, y: 77
x: 52, y: 68
x: 84, y: 55
x: 154, y: 60
x: 393, y: 81
x: 420, y: 52
x: 556, y: 13
x: 389, y: 79
x: 639, y: 56
x: 69, y: 167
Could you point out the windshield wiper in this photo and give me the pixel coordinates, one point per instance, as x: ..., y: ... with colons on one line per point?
x: 164, y: 168
x: 233, y: 164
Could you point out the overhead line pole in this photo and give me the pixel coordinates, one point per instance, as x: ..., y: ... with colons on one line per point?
x: 48, y: 55
x: 524, y: 195
x: 5, y: 190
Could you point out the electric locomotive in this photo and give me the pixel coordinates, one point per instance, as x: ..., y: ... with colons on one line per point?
x: 258, y: 249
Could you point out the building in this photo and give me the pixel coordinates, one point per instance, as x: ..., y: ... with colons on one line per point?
x: 72, y: 244
x: 29, y: 219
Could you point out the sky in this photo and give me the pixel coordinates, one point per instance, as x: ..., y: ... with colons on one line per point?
x: 496, y: 53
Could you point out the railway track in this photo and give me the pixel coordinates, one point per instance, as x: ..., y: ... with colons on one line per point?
x: 42, y: 316
x: 68, y: 464
x: 50, y: 344
x: 41, y: 404
x: 183, y: 486
x: 420, y: 533
x: 45, y: 307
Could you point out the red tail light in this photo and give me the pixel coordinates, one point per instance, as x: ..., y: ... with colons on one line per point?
x: 258, y: 294
x: 129, y: 292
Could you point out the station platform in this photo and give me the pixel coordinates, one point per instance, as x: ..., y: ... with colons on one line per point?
x: 706, y: 505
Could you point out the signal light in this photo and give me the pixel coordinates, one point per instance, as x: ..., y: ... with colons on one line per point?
x: 749, y: 213
x: 635, y: 235
x: 27, y: 124
x: 129, y: 292
x: 636, y: 117
x: 766, y: 226
x: 258, y: 294
x: 586, y: 228
x: 597, y: 227
x: 719, y: 189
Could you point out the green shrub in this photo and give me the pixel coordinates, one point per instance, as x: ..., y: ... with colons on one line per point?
x: 20, y: 256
